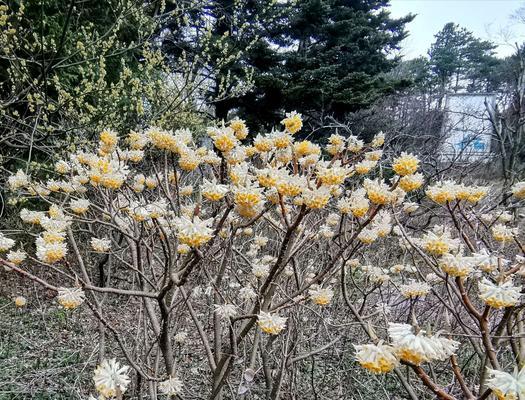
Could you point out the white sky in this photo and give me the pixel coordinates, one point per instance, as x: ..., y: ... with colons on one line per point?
x: 487, y: 19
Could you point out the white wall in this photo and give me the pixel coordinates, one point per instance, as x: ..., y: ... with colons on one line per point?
x: 467, y: 131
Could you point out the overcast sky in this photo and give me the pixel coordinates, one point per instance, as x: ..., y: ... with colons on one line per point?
x: 487, y: 19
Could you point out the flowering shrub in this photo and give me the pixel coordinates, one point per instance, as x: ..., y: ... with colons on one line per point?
x: 242, y: 251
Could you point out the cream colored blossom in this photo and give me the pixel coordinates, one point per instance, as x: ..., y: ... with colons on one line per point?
x: 442, y: 192
x: 507, y: 386
x: 456, y: 265
x: 439, y: 241
x: 18, y: 180
x: 213, y: 191
x: 418, y: 348
x: 50, y: 251
x: 111, y: 378
x: 321, y: 296
x: 100, y: 245
x: 260, y: 270
x: 171, y: 387
x: 405, y: 164
x: 16, y: 256
x: 378, y: 140
x: 79, y: 206
x: 518, y: 190
x: 239, y: 128
x: 414, y: 289
x: 378, y: 358
x: 226, y: 311
x: 70, y: 298
x: 378, y: 192
x: 502, y: 233
x: 499, y: 296
x: 293, y: 122
x: 409, y: 183
x: 269, y: 323
x: 20, y: 301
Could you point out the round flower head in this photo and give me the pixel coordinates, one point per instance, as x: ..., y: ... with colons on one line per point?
x: 186, y: 190
x: 136, y: 140
x: 354, y: 145
x: 239, y: 128
x: 438, y: 241
x: 518, y: 190
x: 378, y: 140
x: 321, y: 296
x: 79, y: 206
x: 16, y: 256
x: 18, y: 181
x: 70, y: 298
x: 378, y: 358
x: 50, y: 251
x: 472, y: 194
x: 507, y: 386
x: 272, y: 324
x: 193, y: 233
x: 31, y: 217
x: 499, y: 296
x: 250, y: 196
x: 225, y: 140
x: 5, y: 243
x: 183, y: 249
x: 290, y: 185
x: 260, y: 270
x: 247, y: 293
x: 162, y: 140
x: 368, y: 235
x: 378, y: 192
x: 316, y: 198
x: 263, y: 144
x: 505, y: 217
x: 502, y: 233
x: 487, y: 262
x: 171, y: 387
x: 151, y: 182
x: 62, y: 167
x: 359, y: 204
x: 111, y: 379
x: 293, y: 122
x: 213, y: 191
x: 410, y: 207
x: 412, y: 182
x: 376, y: 274
x: 181, y: 337
x: 414, y: 289
x: 330, y: 175
x: 365, y: 166
x: 20, y: 301
x: 442, y: 192
x: 419, y: 348
x: 306, y: 149
x: 108, y: 139
x: 456, y: 265
x: 189, y: 160
x: 326, y: 232
x: 406, y: 164
x: 374, y: 155
x: 101, y: 245
x: 225, y: 311
x: 260, y: 241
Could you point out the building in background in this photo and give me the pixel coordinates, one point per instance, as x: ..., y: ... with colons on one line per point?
x: 467, y: 131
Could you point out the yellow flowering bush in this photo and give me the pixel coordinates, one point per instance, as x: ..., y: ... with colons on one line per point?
x: 273, y: 247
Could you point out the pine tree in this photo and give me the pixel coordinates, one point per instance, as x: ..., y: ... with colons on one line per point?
x: 332, y: 59
x: 457, y: 57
